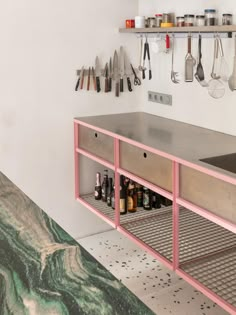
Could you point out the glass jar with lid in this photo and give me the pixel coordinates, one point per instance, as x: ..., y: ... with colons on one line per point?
x: 227, y: 19
x: 200, y: 20
x: 210, y: 17
x: 158, y: 19
x: 189, y: 19
x: 180, y: 21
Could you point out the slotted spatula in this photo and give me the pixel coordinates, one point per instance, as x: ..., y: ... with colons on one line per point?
x: 189, y: 62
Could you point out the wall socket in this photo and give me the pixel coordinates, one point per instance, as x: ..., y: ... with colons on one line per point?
x: 161, y: 98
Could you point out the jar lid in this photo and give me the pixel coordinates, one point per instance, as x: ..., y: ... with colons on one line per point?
x: 200, y: 16
x: 227, y: 14
x: 189, y: 15
x: 158, y: 14
x: 179, y: 17
x: 210, y: 11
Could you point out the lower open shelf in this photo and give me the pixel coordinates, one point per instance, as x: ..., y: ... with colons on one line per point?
x: 217, y: 273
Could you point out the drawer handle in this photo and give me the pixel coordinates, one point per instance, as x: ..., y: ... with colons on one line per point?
x: 145, y: 155
x: 96, y: 135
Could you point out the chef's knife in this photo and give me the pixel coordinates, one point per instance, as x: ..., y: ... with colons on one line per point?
x: 94, y: 79
x: 82, y: 79
x: 106, y: 79
x: 110, y: 75
x: 88, y: 82
x: 122, y: 68
x: 116, y: 72
x: 78, y: 81
x: 128, y: 72
x: 98, y: 73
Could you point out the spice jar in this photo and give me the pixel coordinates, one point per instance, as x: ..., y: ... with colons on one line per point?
x: 158, y: 20
x: 210, y: 17
x: 151, y: 22
x: 166, y: 18
x: 200, y: 20
x: 227, y: 19
x: 179, y: 21
x: 188, y: 19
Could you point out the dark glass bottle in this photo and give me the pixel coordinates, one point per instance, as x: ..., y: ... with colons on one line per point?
x: 98, y: 187
x: 131, y: 197
x: 123, y: 200
x: 109, y: 191
x: 139, y: 191
x: 113, y: 205
x: 147, y: 199
x: 105, y: 186
x: 156, y: 200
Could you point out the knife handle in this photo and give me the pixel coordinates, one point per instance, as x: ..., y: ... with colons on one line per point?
x: 117, y: 89
x: 150, y: 74
x: 98, y: 84
x: 110, y: 84
x: 129, y: 84
x: 143, y: 74
x: 77, y: 84
x: 121, y: 85
x: 106, y: 85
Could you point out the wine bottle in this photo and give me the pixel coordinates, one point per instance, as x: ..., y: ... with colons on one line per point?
x: 139, y: 191
x: 113, y: 198
x: 123, y: 203
x: 105, y: 186
x: 98, y: 187
x: 131, y: 203
x: 147, y: 201
x: 109, y: 191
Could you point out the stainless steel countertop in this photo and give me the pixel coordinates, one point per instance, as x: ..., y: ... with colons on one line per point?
x: 181, y: 140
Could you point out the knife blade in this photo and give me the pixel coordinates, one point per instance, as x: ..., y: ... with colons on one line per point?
x: 110, y: 75
x: 106, y: 79
x: 98, y: 73
x: 116, y: 73
x: 78, y: 81
x: 128, y: 72
x: 94, y: 79
x: 88, y: 82
x: 122, y: 68
x: 82, y: 79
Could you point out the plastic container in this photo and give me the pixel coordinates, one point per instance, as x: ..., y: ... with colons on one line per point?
x: 139, y: 21
x: 200, y: 20
x: 189, y: 20
x: 179, y: 21
x: 210, y: 17
x: 227, y: 19
x: 158, y: 19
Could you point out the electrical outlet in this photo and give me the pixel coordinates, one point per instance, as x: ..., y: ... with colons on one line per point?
x: 161, y: 98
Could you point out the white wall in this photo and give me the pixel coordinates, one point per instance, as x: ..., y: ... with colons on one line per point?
x: 42, y: 44
x: 191, y: 102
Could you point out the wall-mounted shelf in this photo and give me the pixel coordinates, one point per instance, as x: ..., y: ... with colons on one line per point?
x: 228, y: 29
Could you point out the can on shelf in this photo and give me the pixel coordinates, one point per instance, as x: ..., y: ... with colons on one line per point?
x: 139, y: 21
x: 129, y: 23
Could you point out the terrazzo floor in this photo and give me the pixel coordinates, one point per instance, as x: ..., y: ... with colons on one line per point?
x: 159, y: 288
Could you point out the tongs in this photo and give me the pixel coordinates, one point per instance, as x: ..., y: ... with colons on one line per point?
x: 146, y: 52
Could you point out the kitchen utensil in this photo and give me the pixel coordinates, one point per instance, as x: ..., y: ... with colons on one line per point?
x: 122, y: 68
x: 223, y: 66
x: 189, y: 62
x: 82, y: 79
x: 141, y: 54
x: 137, y: 81
x: 167, y: 43
x: 146, y: 53
x: 110, y: 75
x: 116, y: 73
x: 98, y: 73
x: 88, y: 81
x: 94, y: 79
x: 199, y: 75
x: 174, y: 75
x: 214, y: 74
x: 128, y: 71
x: 232, y: 79
x: 106, y: 79
x: 78, y: 81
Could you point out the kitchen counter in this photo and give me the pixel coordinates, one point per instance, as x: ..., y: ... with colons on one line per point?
x: 44, y: 271
x: 179, y: 140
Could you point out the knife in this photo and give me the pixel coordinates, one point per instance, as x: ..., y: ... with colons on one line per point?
x: 128, y: 72
x: 106, y: 79
x: 82, y: 79
x: 88, y: 82
x: 110, y: 75
x: 94, y: 79
x: 122, y: 68
x: 98, y: 73
x: 78, y: 81
x: 116, y: 73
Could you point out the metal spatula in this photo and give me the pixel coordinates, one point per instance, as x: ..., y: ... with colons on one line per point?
x: 199, y: 75
x: 232, y: 79
x: 189, y: 62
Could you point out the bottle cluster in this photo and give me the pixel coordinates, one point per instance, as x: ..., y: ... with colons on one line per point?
x: 132, y: 194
